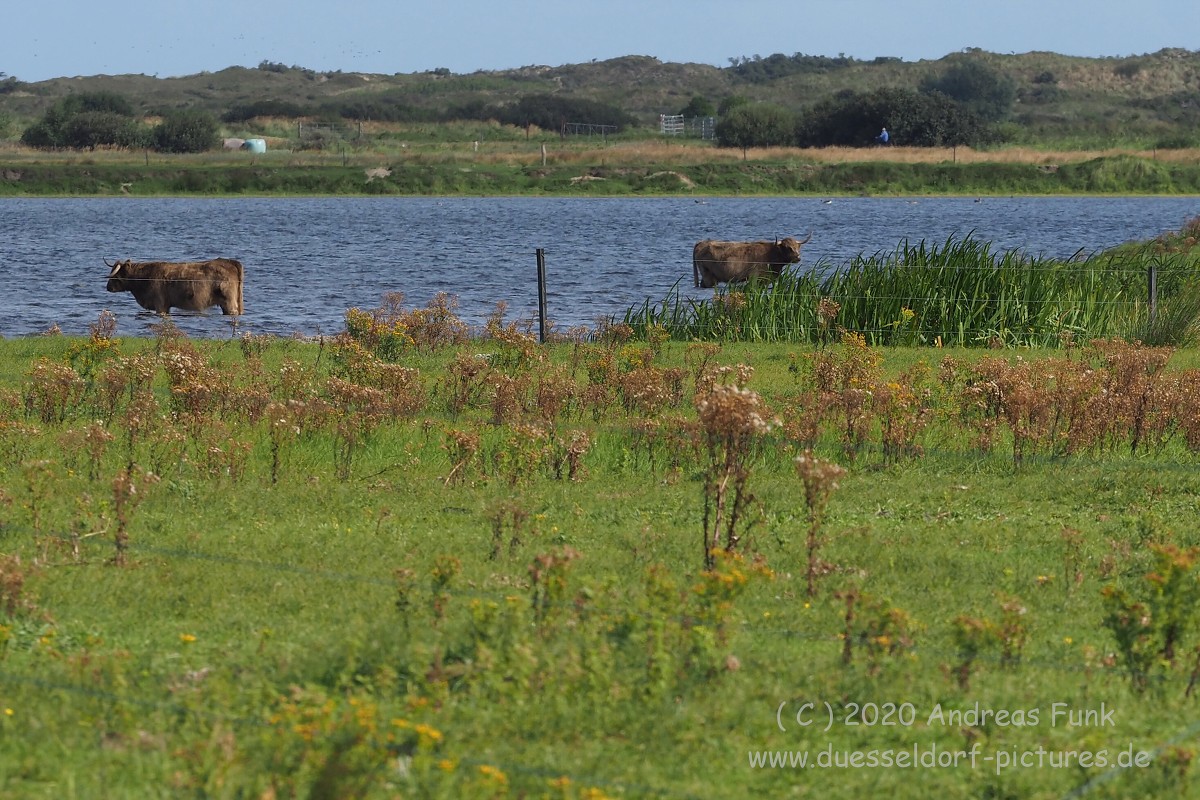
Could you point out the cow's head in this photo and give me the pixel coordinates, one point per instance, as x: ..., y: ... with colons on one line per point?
x: 790, y: 247
x: 115, y: 275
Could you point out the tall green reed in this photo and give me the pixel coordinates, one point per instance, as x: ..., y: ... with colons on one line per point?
x: 962, y: 292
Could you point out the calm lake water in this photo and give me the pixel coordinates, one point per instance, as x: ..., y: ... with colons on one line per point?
x: 308, y: 260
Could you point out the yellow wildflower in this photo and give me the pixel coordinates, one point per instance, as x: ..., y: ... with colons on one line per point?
x: 492, y: 773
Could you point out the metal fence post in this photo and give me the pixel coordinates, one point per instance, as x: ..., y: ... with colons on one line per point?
x: 541, y: 279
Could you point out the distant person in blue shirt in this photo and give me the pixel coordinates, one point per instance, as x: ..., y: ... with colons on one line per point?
x: 883, y: 137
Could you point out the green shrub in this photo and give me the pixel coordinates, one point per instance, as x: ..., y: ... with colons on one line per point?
x: 756, y: 126
x: 87, y: 120
x: 186, y: 132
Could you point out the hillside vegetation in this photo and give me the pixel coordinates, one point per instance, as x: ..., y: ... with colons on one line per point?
x: 1057, y: 101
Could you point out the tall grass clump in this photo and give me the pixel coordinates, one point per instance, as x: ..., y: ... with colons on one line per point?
x: 962, y: 292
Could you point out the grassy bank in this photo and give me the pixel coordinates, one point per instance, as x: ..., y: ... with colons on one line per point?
x: 625, y: 169
x: 400, y: 563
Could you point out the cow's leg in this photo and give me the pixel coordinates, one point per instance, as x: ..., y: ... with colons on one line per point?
x: 229, y: 305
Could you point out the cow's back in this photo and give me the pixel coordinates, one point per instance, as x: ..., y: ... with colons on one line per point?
x: 715, y: 261
x: 190, y: 285
x: 737, y: 252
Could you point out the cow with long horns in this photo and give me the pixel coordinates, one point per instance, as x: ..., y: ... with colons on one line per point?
x: 716, y: 262
x: 160, y: 286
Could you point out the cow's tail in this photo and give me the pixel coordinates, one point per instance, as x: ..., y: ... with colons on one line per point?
x: 241, y: 277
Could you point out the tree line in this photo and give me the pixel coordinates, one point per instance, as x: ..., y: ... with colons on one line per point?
x: 962, y: 106
x: 106, y: 119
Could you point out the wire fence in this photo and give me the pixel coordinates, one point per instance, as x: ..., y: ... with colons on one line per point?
x: 1176, y: 468
x: 573, y: 301
x: 1053, y: 470
x: 149, y: 694
x: 96, y: 552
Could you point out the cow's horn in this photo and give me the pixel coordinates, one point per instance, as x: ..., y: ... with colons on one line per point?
x: 110, y: 266
x: 807, y: 239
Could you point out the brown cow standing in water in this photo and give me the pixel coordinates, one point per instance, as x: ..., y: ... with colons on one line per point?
x: 716, y: 262
x: 160, y: 286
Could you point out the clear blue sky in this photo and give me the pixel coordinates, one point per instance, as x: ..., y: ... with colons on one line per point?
x: 56, y: 38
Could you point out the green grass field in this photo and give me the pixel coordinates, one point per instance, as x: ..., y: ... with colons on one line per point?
x: 396, y: 563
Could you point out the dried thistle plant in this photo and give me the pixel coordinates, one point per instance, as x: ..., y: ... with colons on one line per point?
x: 972, y: 636
x: 510, y: 515
x: 733, y: 419
x: 358, y: 412
x: 141, y: 419
x: 404, y: 388
x: 827, y: 313
x: 820, y: 479
x: 40, y: 479
x: 96, y: 439
x: 16, y: 440
x: 554, y: 395
x: 698, y: 357
x: 13, y: 576
x: 437, y: 325
x: 283, y: 428
x: 507, y: 402
x: 253, y: 346
x: 569, y: 451
x: 613, y: 333
x: 903, y: 407
x: 517, y: 349
x: 523, y: 451
x: 463, y: 449
x: 129, y: 490
x: 105, y: 325
x: 548, y: 582
x: 52, y: 390
x: 804, y: 415
x: 465, y: 381
x: 643, y: 390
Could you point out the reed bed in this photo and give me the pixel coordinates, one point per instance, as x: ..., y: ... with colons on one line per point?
x: 962, y: 293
